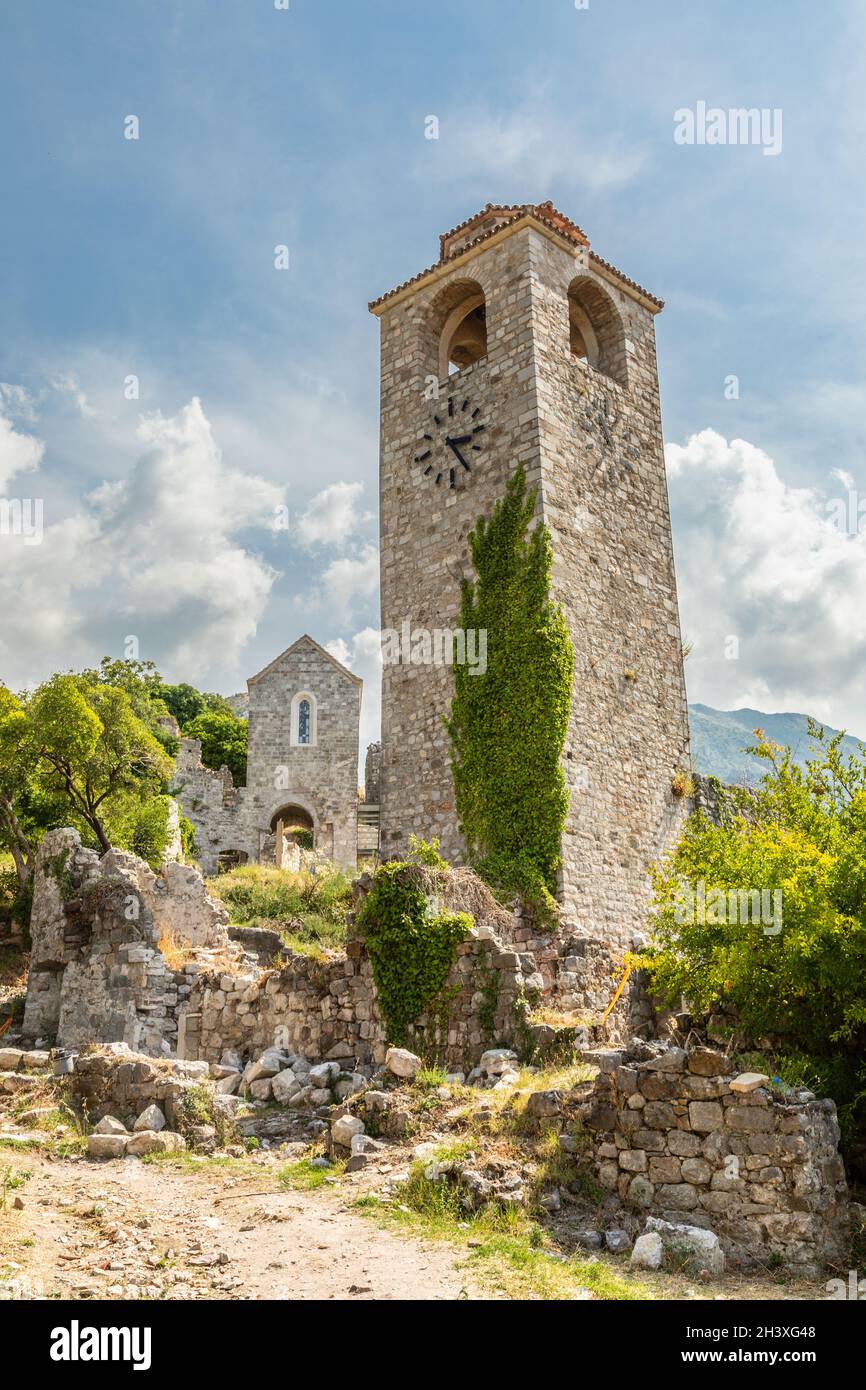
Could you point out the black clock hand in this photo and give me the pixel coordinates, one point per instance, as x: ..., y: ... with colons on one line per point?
x: 459, y: 439
x: 452, y: 445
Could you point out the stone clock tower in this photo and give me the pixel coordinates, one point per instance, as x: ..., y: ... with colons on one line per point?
x: 521, y: 345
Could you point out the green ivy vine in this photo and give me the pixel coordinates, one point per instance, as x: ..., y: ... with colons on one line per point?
x: 411, y: 942
x: 508, y: 725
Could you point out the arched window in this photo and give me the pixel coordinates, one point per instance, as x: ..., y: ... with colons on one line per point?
x: 460, y: 324
x: 596, y: 333
x: 303, y: 720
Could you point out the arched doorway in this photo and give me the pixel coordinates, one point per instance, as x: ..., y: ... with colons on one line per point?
x: 292, y: 824
x: 231, y: 859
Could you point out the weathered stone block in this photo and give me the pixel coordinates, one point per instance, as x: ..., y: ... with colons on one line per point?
x: 705, y: 1115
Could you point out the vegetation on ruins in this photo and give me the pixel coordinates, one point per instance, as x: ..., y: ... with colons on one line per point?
x: 223, y: 741
x: 800, y: 989
x: 308, y: 910
x: 411, y: 941
x: 508, y: 725
x: 74, y: 751
x: 92, y: 750
x: 211, y: 719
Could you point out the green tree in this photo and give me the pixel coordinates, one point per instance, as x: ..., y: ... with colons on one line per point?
x: 223, y: 740
x: 140, y: 680
x: 91, y: 746
x: 183, y: 701
x: 803, y: 986
x: 17, y: 767
x: 508, y: 725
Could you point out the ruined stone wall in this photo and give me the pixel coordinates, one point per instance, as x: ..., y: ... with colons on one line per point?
x: 216, y: 809
x: 682, y: 1136
x: 97, y: 973
x: 328, y: 1009
x: 124, y: 1085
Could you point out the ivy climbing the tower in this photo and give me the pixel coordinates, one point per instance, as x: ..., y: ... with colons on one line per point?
x: 508, y: 725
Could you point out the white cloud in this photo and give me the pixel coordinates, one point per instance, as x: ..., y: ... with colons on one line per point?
x: 841, y: 476
x: 529, y: 147
x: 19, y: 453
x: 16, y: 400
x: 68, y: 384
x: 364, y: 656
x: 764, y: 563
x: 154, y: 554
x: 350, y: 581
x: 332, y: 516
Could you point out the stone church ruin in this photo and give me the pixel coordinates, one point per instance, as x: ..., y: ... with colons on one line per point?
x: 302, y: 769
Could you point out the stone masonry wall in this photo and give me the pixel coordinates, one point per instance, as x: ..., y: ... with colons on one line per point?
x: 327, y: 1009
x: 612, y: 571
x: 683, y: 1137
x: 322, y: 777
x: 98, y: 973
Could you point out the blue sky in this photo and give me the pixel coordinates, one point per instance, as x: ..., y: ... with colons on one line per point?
x: 305, y: 127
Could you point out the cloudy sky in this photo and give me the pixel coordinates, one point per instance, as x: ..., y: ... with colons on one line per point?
x: 201, y: 427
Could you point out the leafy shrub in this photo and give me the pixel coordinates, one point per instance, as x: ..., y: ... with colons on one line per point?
x: 411, y: 942
x: 187, y: 839
x: 804, y: 987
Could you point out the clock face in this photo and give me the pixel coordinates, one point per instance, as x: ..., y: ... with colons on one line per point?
x: 614, y: 444
x: 452, y: 441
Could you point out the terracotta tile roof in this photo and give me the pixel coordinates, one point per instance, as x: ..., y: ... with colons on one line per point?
x: 626, y: 279
x: 502, y: 215
x: 490, y: 220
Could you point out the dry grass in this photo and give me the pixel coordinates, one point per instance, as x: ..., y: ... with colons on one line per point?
x: 464, y: 891
x: 176, y: 951
x: 556, y: 1018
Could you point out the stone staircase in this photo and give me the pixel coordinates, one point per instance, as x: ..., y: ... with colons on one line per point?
x: 368, y: 830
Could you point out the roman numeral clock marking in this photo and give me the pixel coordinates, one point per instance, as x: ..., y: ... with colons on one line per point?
x: 447, y: 446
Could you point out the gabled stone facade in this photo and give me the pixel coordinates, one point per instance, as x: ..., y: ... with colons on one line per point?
x: 302, y: 766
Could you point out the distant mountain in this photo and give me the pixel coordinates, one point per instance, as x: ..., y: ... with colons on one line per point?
x: 719, y: 737
x: 240, y: 704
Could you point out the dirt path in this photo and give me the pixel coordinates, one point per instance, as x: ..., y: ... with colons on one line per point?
x: 127, y: 1229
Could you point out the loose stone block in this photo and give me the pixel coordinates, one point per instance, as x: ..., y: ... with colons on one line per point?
x: 106, y: 1145
x: 749, y: 1081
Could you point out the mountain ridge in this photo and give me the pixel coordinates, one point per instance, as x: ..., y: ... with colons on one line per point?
x: 719, y: 737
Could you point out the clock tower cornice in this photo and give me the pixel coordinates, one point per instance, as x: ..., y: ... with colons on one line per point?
x: 495, y: 224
